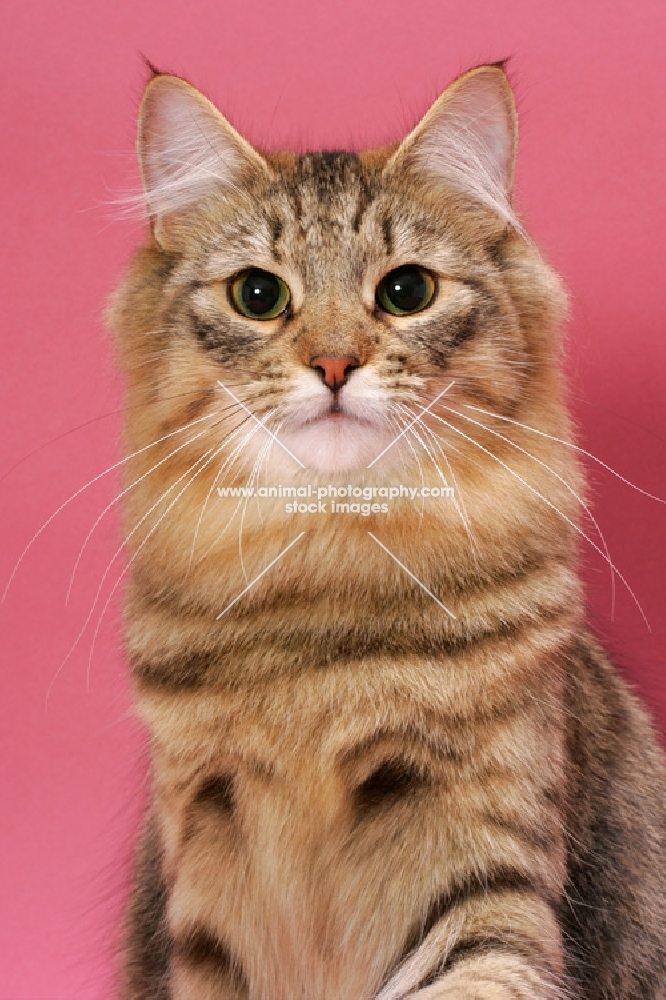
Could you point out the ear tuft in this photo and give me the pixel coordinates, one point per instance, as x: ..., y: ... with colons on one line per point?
x: 152, y: 69
x: 187, y: 150
x: 469, y: 138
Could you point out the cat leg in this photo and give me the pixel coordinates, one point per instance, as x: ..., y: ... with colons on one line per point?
x: 493, y: 976
x: 499, y: 946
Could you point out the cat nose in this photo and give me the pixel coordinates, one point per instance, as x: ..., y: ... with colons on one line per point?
x: 334, y: 370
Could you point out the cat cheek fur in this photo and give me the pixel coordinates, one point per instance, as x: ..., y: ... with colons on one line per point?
x: 359, y: 791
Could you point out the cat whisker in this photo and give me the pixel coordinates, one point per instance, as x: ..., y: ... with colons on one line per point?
x: 95, y: 479
x: 236, y: 509
x: 549, y: 503
x: 580, y: 499
x: 89, y: 423
x: 417, y: 436
x: 264, y: 457
x: 462, y: 512
x: 233, y: 456
x: 260, y: 422
x: 229, y: 459
x: 425, y: 447
x: 457, y: 492
x: 119, y: 496
x: 395, y: 426
x: 95, y: 600
x: 569, y: 444
x: 403, y: 427
x: 117, y: 553
x: 253, y: 472
x: 215, y: 452
x: 231, y: 519
x: 265, y: 452
x: 406, y: 428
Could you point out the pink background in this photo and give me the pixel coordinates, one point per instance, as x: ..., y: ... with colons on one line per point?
x: 591, y: 85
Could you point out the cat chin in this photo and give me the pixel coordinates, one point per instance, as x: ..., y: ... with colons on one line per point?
x: 336, y: 444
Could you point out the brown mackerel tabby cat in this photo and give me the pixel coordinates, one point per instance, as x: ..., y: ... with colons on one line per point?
x: 388, y: 759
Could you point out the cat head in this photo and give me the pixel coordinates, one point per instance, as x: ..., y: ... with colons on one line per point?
x: 297, y: 314
x: 339, y: 292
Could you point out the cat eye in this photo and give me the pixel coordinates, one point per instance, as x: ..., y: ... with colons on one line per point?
x: 406, y: 290
x: 259, y: 294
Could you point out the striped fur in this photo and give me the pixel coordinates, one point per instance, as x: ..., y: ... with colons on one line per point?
x: 355, y: 793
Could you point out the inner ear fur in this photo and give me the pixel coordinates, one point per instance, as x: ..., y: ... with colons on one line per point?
x: 468, y: 138
x: 187, y: 149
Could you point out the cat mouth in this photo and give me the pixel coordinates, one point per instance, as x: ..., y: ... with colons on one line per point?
x: 337, y: 414
x: 333, y: 438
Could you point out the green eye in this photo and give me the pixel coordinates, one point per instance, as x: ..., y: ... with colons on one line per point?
x: 406, y: 290
x: 259, y: 294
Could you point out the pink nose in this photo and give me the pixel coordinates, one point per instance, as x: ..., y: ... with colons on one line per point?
x: 334, y: 370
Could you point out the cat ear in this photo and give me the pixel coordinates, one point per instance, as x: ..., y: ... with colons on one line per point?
x: 469, y: 138
x: 186, y: 150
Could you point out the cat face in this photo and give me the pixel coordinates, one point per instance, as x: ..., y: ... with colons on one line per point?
x: 337, y: 295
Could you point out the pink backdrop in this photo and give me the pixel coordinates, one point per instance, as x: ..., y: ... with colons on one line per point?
x: 591, y: 85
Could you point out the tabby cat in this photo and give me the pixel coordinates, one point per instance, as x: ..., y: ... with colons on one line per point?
x: 388, y: 759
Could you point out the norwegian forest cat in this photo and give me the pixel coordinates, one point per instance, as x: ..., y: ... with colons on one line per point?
x: 388, y: 759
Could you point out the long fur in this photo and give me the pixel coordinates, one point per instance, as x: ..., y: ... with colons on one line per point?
x: 359, y: 791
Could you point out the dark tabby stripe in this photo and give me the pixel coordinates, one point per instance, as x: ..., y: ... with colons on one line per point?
x: 217, y: 791
x: 216, y: 794
x: 196, y: 407
x: 365, y: 199
x: 200, y: 947
x: 181, y: 673
x: 463, y: 327
x: 393, y: 780
x: 228, y: 342
x: 277, y: 228
x: 387, y: 233
x: 189, y: 671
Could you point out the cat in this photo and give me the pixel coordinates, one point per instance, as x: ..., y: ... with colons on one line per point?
x: 388, y: 758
